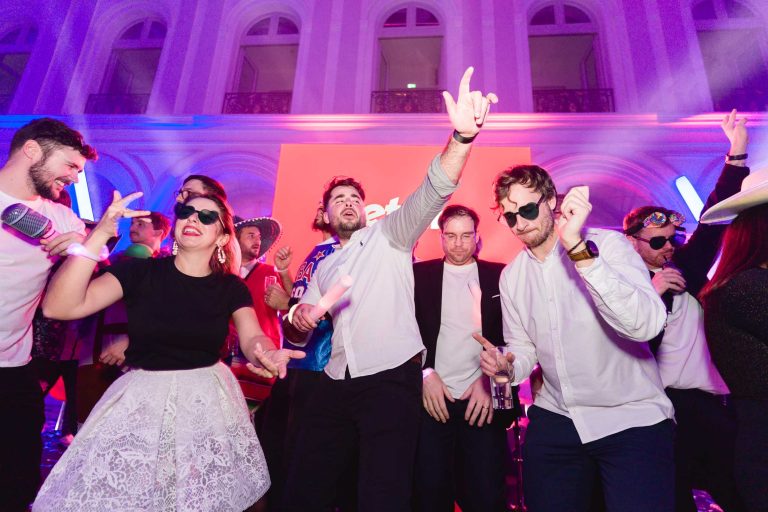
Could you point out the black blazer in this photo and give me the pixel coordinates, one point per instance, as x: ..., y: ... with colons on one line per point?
x: 428, y: 297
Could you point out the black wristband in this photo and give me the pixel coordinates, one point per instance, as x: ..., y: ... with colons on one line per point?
x: 570, y: 251
x: 729, y: 158
x: 461, y: 139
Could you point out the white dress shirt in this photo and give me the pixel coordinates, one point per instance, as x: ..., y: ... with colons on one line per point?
x: 683, y: 356
x: 374, y: 323
x: 24, y: 269
x: 587, y: 328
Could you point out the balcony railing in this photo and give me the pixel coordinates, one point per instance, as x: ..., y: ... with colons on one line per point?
x: 5, y: 102
x: 117, y: 104
x: 745, y: 100
x: 276, y: 102
x: 407, y: 101
x: 573, y: 100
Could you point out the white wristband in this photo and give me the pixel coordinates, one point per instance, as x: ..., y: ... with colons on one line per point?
x: 426, y: 372
x: 80, y: 250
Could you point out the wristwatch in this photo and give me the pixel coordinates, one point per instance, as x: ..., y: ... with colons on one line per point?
x: 589, y: 252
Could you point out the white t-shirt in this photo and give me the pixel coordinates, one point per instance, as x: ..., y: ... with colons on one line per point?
x: 24, y: 268
x: 457, y: 356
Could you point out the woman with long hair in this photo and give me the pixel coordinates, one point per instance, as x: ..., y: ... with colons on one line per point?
x: 174, y: 432
x: 736, y: 321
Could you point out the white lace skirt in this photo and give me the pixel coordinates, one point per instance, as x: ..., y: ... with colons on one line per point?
x: 168, y: 440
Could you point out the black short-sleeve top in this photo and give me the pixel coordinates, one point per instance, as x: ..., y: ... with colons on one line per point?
x: 176, y: 321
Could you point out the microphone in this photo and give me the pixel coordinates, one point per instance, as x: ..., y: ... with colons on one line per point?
x: 29, y: 222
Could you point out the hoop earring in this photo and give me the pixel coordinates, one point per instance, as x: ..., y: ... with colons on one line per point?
x: 175, y: 249
x: 221, y: 255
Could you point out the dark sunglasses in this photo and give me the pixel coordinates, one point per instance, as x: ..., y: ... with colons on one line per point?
x: 528, y: 211
x: 207, y: 217
x: 657, y: 242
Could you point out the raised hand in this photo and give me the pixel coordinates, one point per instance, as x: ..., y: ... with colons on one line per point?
x: 274, y: 363
x: 491, y: 360
x: 283, y: 258
x: 574, y: 212
x: 108, y: 224
x: 736, y: 131
x: 668, y: 279
x: 469, y: 111
x: 433, y: 395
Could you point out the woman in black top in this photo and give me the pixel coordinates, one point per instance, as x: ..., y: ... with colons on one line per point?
x: 736, y: 321
x: 174, y: 433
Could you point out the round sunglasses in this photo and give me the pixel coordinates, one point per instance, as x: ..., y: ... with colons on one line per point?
x: 207, y: 217
x: 528, y: 211
x: 657, y: 242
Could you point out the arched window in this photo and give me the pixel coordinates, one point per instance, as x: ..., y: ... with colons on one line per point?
x: 263, y: 81
x: 15, y: 48
x: 566, y: 69
x: 131, y: 70
x: 409, y: 65
x: 734, y: 47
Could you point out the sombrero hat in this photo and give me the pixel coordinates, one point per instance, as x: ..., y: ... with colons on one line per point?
x: 268, y: 227
x: 754, y: 191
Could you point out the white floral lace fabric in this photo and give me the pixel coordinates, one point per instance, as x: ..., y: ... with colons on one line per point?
x: 162, y: 441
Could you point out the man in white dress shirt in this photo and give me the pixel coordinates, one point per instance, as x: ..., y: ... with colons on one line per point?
x: 706, y: 425
x: 45, y: 156
x: 584, y: 315
x: 369, y: 400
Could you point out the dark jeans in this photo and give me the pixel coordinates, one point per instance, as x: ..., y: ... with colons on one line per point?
x: 751, y: 468
x: 21, y: 420
x: 459, y: 462
x: 635, y: 466
x: 704, y: 449
x: 376, y: 416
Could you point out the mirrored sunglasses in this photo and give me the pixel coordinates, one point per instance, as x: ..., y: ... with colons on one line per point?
x: 528, y: 211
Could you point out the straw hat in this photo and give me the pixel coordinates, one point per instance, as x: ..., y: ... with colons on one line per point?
x: 754, y: 191
x: 268, y: 227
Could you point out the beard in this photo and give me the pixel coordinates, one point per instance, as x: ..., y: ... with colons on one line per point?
x: 345, y: 228
x: 41, y: 180
x: 545, y: 231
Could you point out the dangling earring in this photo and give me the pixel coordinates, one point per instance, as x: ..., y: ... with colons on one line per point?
x: 220, y: 254
x: 175, y: 249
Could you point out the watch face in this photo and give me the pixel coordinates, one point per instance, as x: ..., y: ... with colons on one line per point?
x: 592, y: 246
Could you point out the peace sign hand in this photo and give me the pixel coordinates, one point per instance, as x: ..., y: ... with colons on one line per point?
x: 108, y: 224
x: 470, y: 109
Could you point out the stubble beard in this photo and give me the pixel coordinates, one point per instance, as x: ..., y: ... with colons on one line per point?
x: 38, y: 174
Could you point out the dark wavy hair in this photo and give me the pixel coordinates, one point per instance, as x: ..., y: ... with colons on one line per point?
x: 530, y: 176
x: 341, y: 181
x: 52, y: 134
x: 225, y: 214
x: 210, y: 185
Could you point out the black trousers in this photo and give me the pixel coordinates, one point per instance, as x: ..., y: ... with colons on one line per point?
x: 376, y: 417
x: 704, y: 449
x: 752, y: 452
x: 21, y: 420
x: 635, y: 466
x: 459, y: 462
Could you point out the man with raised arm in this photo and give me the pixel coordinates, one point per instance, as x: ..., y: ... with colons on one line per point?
x: 585, y: 315
x: 690, y: 378
x: 369, y: 400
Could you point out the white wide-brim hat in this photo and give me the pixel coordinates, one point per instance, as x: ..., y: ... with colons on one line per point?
x: 754, y: 191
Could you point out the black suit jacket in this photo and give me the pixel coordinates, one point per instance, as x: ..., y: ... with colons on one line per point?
x: 428, y: 297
